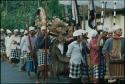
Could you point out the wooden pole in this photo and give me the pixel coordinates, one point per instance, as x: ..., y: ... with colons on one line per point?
x: 46, y: 41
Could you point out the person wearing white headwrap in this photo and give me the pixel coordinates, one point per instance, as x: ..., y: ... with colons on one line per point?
x: 7, y: 43
x: 94, y: 33
x: 14, y: 46
x: 85, y: 52
x: 103, y: 35
x: 96, y: 55
x: 25, y: 32
x: 1, y: 29
x: 74, y: 53
x: 2, y: 44
x: 21, y: 32
x: 113, y: 47
x: 117, y: 31
x: 99, y: 28
x: 24, y: 49
x: 16, y: 30
x: 31, y: 51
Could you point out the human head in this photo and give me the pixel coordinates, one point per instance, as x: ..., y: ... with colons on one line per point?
x: 105, y: 31
x: 16, y: 32
x: 32, y: 31
x: 43, y: 30
x: 60, y: 38
x: 77, y: 36
x: 25, y: 32
x: 94, y: 34
x: 8, y: 32
x: 117, y: 30
x: 1, y: 30
x: 110, y: 32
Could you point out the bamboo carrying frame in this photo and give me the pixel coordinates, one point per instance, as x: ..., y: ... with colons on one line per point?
x: 116, y: 69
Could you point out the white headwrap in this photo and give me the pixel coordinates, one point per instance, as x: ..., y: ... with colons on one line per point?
x: 1, y: 29
x: 94, y: 33
x: 77, y: 33
x: 25, y: 32
x: 31, y: 28
x: 99, y: 27
x: 21, y: 30
x: 8, y: 31
x: 81, y: 31
x: 15, y: 30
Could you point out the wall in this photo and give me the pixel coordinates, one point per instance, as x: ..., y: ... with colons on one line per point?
x: 108, y: 22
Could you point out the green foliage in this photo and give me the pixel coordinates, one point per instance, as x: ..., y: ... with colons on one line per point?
x: 16, y: 14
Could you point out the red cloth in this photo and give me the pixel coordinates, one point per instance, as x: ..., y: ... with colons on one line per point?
x: 94, y: 58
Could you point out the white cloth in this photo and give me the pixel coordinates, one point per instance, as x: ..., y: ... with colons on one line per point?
x: 94, y: 33
x: 75, y: 52
x: 101, y: 42
x: 7, y: 45
x: 16, y: 30
x: 24, y: 44
x: 61, y: 47
x: 12, y: 39
x: 77, y: 33
x: 33, y: 42
x: 31, y: 28
x: 8, y: 31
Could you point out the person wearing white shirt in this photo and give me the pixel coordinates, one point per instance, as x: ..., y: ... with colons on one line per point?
x: 75, y: 54
x: 24, y: 49
x: 15, y: 48
x: 2, y: 45
x: 31, y: 64
x: 7, y: 43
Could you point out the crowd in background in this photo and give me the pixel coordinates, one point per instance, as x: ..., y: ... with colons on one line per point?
x: 64, y: 50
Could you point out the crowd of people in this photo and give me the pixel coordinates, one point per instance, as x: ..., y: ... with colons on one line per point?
x: 27, y: 48
x: 64, y: 50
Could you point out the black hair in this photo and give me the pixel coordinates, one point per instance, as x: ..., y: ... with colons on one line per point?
x: 38, y: 12
x: 76, y: 37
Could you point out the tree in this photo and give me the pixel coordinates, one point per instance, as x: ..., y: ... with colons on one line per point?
x: 14, y: 15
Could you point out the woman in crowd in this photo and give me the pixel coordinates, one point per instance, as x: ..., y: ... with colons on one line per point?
x: 94, y: 56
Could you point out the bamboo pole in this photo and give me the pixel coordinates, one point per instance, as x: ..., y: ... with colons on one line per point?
x: 46, y: 40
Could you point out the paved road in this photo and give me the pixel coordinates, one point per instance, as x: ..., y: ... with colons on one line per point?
x: 11, y: 75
